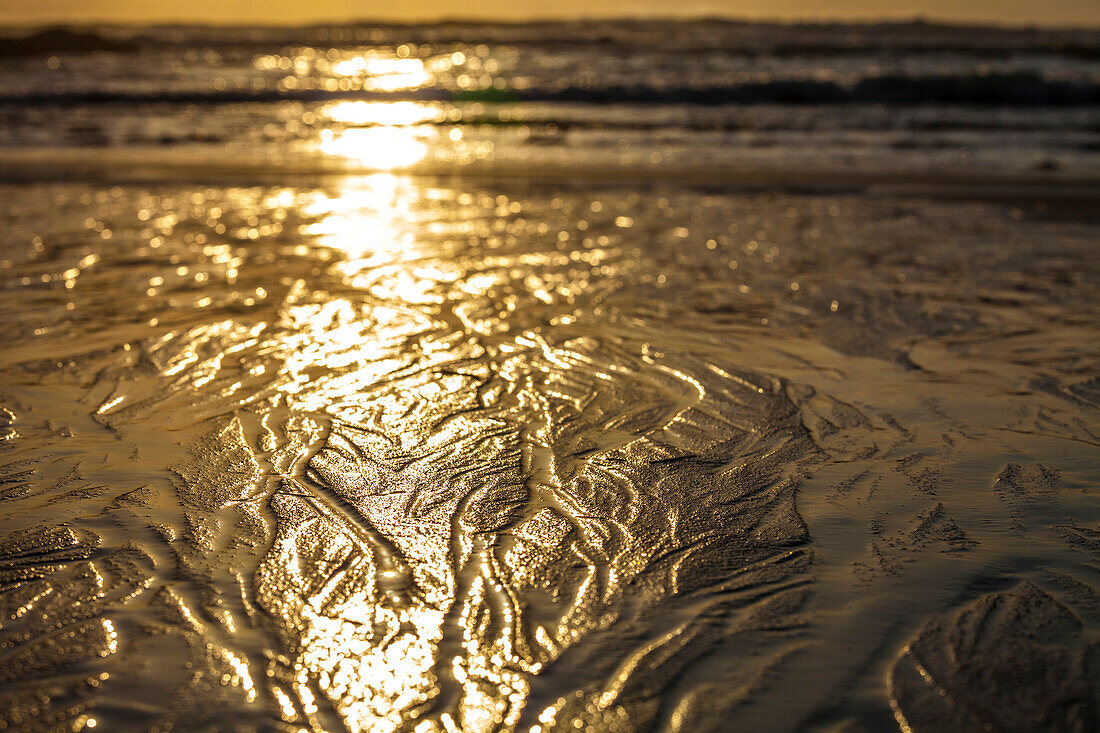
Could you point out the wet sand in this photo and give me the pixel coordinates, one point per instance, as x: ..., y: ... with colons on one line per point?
x: 523, y: 452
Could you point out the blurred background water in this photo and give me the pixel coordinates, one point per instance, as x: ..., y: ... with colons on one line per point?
x: 729, y: 95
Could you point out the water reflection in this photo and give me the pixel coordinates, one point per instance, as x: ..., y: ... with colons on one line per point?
x: 378, y: 148
x: 380, y: 113
x: 386, y: 639
x: 383, y: 73
x: 372, y: 135
x: 448, y: 497
x: 365, y: 218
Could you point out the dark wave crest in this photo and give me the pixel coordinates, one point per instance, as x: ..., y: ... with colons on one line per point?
x: 1020, y: 89
x: 64, y: 40
x: 621, y: 35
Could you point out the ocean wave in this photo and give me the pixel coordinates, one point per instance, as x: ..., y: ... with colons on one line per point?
x: 713, y: 35
x: 1018, y: 89
x: 64, y: 40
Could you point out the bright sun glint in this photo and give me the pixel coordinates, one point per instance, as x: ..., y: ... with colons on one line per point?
x: 378, y: 148
x: 385, y: 74
x: 380, y: 113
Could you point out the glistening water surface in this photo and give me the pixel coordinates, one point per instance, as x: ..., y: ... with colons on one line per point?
x: 391, y: 453
x: 590, y: 95
x: 324, y: 409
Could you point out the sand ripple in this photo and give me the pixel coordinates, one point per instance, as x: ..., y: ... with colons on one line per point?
x: 396, y: 454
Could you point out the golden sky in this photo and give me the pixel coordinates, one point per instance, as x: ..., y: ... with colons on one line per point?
x: 1045, y: 12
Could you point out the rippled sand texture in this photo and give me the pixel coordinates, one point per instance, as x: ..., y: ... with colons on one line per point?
x: 392, y: 454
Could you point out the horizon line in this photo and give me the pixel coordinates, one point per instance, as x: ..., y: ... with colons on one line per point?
x: 808, y: 20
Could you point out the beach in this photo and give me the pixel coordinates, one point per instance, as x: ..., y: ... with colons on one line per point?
x: 599, y: 404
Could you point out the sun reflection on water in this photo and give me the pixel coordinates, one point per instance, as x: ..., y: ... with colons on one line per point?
x: 364, y: 218
x: 401, y: 360
x: 377, y: 148
x: 375, y: 348
x: 384, y: 74
x: 380, y: 113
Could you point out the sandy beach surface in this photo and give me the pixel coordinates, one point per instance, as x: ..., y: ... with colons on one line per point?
x: 292, y: 439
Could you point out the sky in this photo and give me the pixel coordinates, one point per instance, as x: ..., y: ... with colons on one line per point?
x: 1045, y: 12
